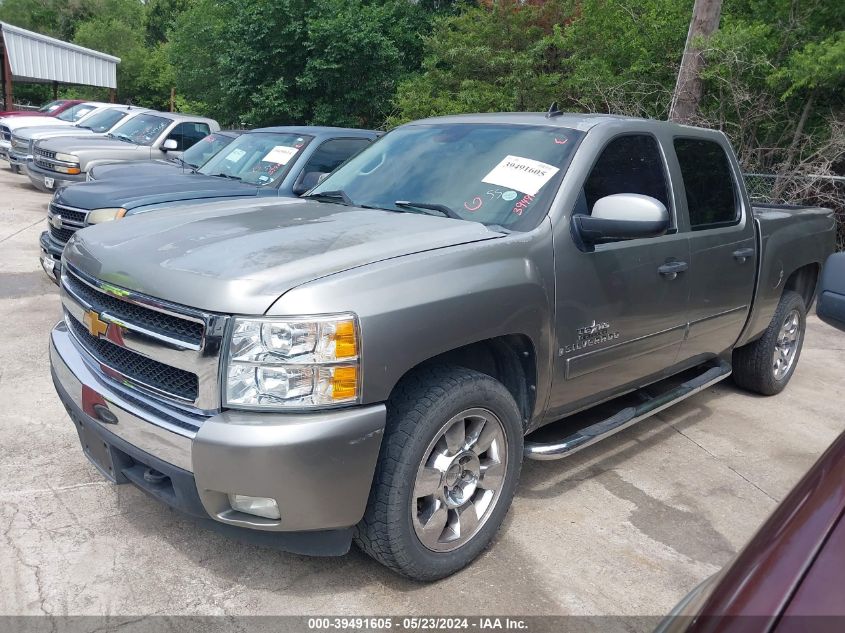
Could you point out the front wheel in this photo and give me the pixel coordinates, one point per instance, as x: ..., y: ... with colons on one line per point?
x: 447, y: 472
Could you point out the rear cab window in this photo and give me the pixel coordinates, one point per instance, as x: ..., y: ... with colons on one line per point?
x: 711, y: 195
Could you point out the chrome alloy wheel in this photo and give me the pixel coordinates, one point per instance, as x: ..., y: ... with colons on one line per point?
x: 786, y: 346
x: 459, y: 480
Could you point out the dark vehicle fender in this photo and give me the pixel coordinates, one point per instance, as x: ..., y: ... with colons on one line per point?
x: 794, y: 243
x: 488, y: 305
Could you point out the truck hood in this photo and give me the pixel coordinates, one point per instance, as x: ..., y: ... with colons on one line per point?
x: 167, y: 186
x: 14, y: 123
x: 90, y: 144
x: 240, y: 257
x: 50, y: 131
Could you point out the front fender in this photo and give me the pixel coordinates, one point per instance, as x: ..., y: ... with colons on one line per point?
x: 415, y: 307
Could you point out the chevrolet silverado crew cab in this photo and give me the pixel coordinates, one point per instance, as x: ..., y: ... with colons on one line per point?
x: 267, y: 162
x: 64, y: 161
x: 372, y: 361
x: 97, y: 122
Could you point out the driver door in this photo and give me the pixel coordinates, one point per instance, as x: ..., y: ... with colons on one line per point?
x: 620, y: 316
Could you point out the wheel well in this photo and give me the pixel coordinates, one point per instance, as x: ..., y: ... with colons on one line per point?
x: 509, y: 359
x: 803, y: 281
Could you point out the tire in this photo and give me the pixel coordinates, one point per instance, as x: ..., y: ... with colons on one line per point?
x: 418, y: 457
x: 755, y: 366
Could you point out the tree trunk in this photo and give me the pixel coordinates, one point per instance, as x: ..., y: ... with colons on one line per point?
x: 688, y: 89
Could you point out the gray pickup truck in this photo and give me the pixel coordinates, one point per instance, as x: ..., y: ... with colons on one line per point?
x: 373, y: 361
x: 60, y: 162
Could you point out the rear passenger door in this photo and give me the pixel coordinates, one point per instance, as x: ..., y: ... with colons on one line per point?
x: 620, y: 314
x: 723, y: 249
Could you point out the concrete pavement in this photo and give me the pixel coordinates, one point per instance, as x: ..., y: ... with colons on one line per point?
x: 626, y: 527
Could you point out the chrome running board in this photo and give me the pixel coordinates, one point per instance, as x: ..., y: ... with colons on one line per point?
x: 626, y: 417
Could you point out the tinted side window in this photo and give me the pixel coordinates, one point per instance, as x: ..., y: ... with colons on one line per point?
x: 187, y: 134
x: 709, y: 185
x: 331, y: 154
x: 629, y: 164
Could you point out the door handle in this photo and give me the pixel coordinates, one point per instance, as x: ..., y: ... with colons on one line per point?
x: 670, y: 270
x: 742, y: 254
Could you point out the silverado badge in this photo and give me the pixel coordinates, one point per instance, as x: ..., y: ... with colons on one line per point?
x: 590, y: 335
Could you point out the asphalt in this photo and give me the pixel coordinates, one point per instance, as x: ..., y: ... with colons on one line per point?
x: 626, y: 527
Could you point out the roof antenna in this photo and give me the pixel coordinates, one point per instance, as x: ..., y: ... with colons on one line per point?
x: 553, y: 110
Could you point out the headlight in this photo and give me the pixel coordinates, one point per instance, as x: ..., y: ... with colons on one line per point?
x: 289, y: 363
x: 68, y: 158
x: 98, y: 216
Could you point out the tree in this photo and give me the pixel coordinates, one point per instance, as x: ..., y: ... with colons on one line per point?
x: 688, y: 89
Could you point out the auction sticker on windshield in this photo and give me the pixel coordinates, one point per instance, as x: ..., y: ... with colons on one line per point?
x: 235, y: 155
x: 523, y: 174
x: 281, y: 155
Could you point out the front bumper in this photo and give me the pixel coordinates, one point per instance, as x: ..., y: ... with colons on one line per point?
x: 51, y: 256
x: 318, y: 467
x: 41, y: 178
x: 17, y: 160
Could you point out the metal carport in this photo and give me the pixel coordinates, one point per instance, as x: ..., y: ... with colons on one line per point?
x: 33, y: 57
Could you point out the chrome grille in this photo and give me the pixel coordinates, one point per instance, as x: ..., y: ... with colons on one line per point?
x: 45, y: 153
x: 168, y: 352
x: 45, y: 164
x: 20, y: 143
x: 159, y: 322
x: 69, y: 214
x: 138, y: 368
x: 6, y: 132
x: 61, y: 235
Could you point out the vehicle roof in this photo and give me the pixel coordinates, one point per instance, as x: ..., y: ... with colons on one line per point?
x: 180, y: 116
x: 316, y: 130
x: 572, y: 120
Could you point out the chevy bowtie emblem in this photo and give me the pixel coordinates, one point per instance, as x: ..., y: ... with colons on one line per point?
x: 96, y: 327
x: 56, y: 221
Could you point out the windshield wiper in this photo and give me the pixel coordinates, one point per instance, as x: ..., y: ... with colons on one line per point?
x: 123, y: 137
x: 332, y: 196
x: 230, y: 176
x: 429, y: 206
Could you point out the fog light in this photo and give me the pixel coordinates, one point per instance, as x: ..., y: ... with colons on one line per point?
x: 259, y: 506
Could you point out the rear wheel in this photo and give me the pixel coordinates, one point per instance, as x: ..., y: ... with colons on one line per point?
x: 446, y: 475
x: 766, y: 365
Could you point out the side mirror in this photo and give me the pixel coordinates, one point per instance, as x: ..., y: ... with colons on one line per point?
x: 622, y: 216
x: 169, y: 144
x: 309, y: 180
x: 831, y: 305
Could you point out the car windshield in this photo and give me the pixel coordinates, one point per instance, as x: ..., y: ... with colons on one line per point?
x: 207, y: 147
x: 496, y: 174
x: 74, y: 113
x: 257, y: 158
x: 143, y: 129
x: 104, y: 120
x: 49, y: 107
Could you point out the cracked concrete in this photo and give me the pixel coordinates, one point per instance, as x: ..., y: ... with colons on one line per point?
x: 625, y: 527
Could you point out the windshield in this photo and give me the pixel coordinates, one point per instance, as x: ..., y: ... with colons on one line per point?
x: 207, y: 147
x: 491, y: 173
x: 143, y: 129
x: 257, y: 158
x: 105, y: 120
x: 49, y: 107
x: 74, y: 113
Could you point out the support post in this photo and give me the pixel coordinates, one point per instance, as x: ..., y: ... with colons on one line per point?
x: 55, y: 90
x: 8, y: 92
x: 173, y: 99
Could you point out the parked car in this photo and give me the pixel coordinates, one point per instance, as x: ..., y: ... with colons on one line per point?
x: 52, y: 108
x: 789, y: 575
x: 65, y: 161
x: 275, y: 161
x: 71, y: 115
x: 98, y: 122
x: 193, y: 157
x: 364, y: 363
